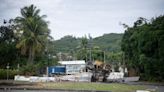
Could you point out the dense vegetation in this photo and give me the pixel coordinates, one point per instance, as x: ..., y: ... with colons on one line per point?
x: 34, y: 34
x: 143, y: 47
x: 8, y: 51
x: 23, y: 42
x: 106, y: 47
x: 66, y: 44
x: 11, y: 73
x: 108, y: 42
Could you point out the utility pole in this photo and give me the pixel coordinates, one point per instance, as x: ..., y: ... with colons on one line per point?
x: 90, y: 46
x: 90, y: 56
x: 104, y: 56
x: 7, y: 71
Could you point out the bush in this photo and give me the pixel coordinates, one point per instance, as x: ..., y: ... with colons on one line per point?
x: 28, y: 70
x: 11, y: 73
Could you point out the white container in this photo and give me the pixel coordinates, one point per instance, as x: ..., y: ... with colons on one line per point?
x: 131, y: 79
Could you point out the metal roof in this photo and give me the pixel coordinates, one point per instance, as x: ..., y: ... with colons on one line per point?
x: 72, y: 62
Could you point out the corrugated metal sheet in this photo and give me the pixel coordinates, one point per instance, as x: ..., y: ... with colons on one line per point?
x: 72, y: 62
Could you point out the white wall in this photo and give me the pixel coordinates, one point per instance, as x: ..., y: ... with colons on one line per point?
x: 74, y: 68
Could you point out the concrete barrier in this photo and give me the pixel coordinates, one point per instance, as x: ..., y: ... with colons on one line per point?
x: 21, y: 78
x: 34, y: 79
x: 131, y: 79
x: 83, y: 77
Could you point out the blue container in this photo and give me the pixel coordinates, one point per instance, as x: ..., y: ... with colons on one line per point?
x: 56, y: 70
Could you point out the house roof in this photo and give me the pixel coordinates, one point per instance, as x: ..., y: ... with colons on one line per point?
x: 72, y: 62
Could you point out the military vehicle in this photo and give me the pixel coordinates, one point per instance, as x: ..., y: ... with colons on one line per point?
x: 100, y: 71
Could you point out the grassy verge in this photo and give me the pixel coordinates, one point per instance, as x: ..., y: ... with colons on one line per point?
x: 114, y: 87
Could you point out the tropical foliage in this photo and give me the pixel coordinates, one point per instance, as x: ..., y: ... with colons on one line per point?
x: 8, y: 52
x: 24, y: 40
x: 34, y: 32
x: 108, y: 42
x: 143, y: 47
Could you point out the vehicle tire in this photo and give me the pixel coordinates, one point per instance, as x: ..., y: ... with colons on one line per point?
x: 93, y: 79
x: 104, y: 79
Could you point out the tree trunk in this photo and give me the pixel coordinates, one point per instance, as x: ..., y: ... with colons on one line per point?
x: 31, y: 56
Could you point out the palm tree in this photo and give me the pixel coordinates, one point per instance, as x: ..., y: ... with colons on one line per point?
x: 84, y: 45
x: 34, y: 32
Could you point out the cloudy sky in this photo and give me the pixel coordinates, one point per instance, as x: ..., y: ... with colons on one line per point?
x: 83, y: 17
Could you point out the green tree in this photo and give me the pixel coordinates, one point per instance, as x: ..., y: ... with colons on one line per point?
x: 142, y: 45
x: 8, y: 52
x: 83, y: 50
x: 33, y: 31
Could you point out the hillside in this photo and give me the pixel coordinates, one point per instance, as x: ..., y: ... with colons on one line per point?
x: 108, y: 42
x: 66, y: 44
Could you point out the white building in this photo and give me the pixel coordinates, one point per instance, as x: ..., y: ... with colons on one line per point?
x: 73, y: 67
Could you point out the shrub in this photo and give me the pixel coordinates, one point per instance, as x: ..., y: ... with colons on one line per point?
x: 28, y: 70
x: 11, y: 73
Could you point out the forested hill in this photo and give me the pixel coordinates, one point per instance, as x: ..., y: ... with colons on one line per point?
x: 108, y: 42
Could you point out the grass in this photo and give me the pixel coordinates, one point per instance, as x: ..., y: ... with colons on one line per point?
x: 114, y: 87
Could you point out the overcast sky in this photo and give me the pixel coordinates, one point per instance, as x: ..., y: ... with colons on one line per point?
x: 83, y: 17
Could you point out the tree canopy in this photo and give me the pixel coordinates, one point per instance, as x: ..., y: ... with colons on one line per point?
x: 34, y: 33
x: 143, y: 47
